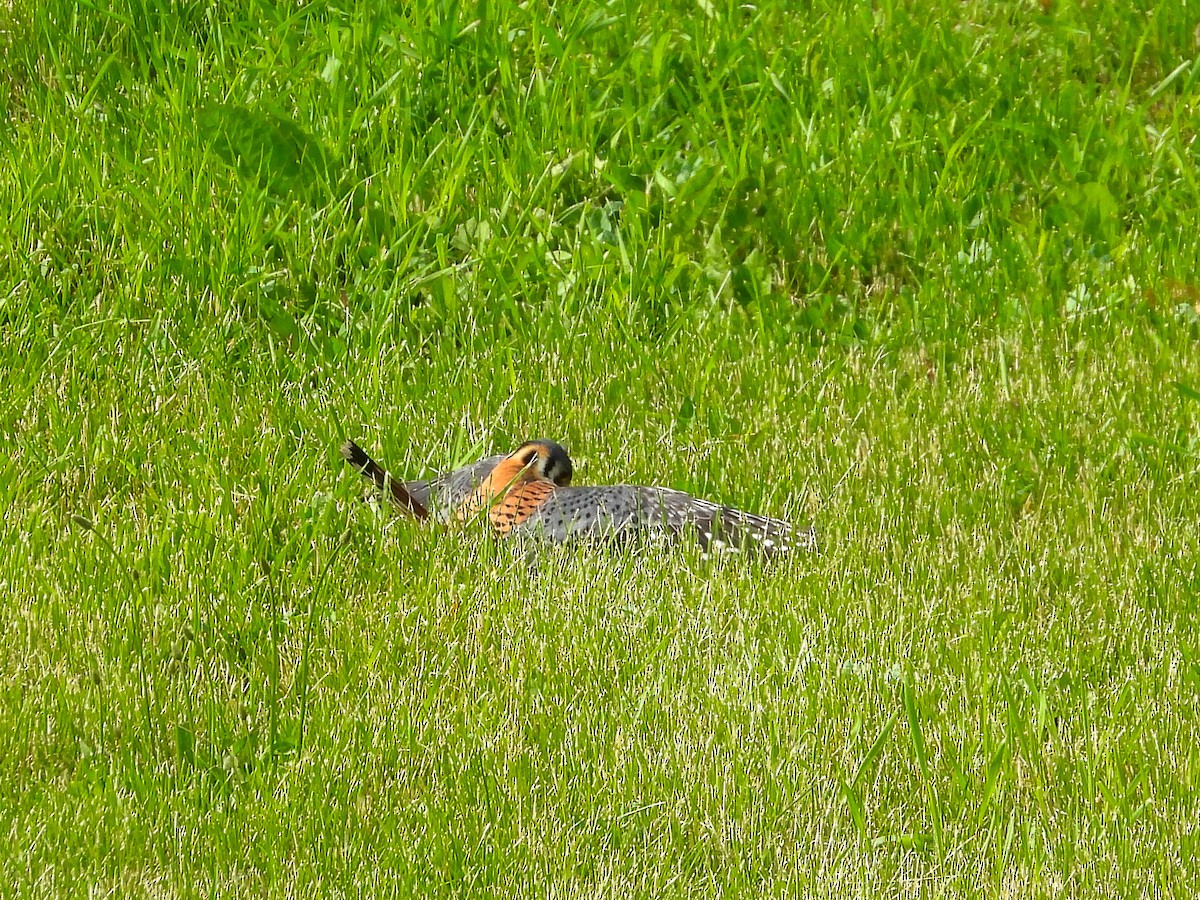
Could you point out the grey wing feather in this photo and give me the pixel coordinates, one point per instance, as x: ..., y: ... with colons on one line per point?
x: 572, y: 512
x: 627, y: 510
x: 727, y: 529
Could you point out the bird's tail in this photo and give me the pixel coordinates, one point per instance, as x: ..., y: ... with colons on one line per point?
x: 357, y: 457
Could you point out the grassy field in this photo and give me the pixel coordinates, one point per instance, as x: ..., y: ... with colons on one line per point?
x: 924, y: 275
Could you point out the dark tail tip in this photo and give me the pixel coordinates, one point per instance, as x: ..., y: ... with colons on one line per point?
x: 355, y: 455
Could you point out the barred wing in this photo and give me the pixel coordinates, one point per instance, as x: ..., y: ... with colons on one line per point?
x: 627, y: 510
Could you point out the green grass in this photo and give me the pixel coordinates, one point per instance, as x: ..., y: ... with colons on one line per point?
x: 923, y: 275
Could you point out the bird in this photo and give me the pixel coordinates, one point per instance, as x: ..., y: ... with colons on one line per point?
x: 528, y: 493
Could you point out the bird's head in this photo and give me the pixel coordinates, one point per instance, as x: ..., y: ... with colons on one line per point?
x: 545, y: 459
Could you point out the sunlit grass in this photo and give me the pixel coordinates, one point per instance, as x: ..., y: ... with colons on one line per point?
x: 922, y: 278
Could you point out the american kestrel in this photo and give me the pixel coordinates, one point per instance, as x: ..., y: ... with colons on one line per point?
x: 529, y: 492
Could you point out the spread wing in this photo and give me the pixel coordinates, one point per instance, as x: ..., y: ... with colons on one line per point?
x: 629, y: 510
